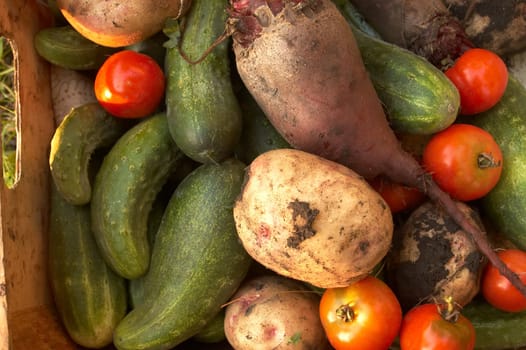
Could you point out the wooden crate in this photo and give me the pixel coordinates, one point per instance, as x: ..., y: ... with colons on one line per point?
x: 27, y: 317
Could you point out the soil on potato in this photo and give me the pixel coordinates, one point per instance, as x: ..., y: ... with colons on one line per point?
x: 303, y: 216
x: 428, y: 261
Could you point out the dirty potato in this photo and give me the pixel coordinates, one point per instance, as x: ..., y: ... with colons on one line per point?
x: 274, y: 312
x: 311, y: 219
x: 432, y: 258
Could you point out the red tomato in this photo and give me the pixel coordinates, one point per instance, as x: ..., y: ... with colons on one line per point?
x: 365, y: 315
x: 398, y: 197
x: 428, y: 326
x: 464, y: 160
x: 497, y: 289
x: 481, y: 77
x: 129, y: 84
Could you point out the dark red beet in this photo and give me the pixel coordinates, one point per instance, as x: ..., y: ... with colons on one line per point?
x: 300, y: 61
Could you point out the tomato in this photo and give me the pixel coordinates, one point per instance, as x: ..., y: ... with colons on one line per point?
x: 431, y: 327
x: 481, y: 77
x: 497, y: 289
x: 364, y: 315
x: 130, y: 84
x: 464, y: 160
x: 397, y: 196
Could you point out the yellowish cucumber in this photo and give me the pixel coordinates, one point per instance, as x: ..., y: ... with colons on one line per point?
x: 84, y: 129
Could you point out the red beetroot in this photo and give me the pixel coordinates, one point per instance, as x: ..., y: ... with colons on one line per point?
x: 300, y: 61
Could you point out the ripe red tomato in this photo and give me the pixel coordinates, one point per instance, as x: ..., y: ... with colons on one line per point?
x: 427, y: 326
x: 481, y: 77
x: 365, y: 315
x: 497, y: 289
x: 464, y: 160
x: 397, y: 196
x: 129, y: 84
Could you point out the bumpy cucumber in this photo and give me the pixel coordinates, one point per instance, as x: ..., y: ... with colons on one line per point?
x: 258, y: 134
x: 136, y: 286
x: 129, y: 179
x: 83, y: 130
x: 197, y: 261
x: 65, y: 47
x: 418, y: 98
x: 90, y: 298
x: 203, y: 113
x: 505, y: 205
x: 496, y: 329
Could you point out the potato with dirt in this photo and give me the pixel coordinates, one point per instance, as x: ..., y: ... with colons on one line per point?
x: 432, y: 258
x: 311, y: 219
x: 274, y: 312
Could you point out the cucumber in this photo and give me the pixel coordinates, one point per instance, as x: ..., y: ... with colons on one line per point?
x: 197, y: 261
x: 125, y: 187
x: 417, y: 97
x: 213, y: 331
x: 89, y: 297
x: 505, y: 204
x: 65, y: 47
x: 83, y: 130
x: 136, y: 286
x: 496, y: 329
x: 203, y: 113
x: 258, y: 134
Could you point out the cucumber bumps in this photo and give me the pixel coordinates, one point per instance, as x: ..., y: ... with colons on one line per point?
x: 203, y: 113
x: 128, y: 181
x: 197, y: 261
x: 85, y: 129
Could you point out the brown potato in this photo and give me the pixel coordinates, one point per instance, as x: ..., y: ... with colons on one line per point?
x: 117, y: 23
x: 311, y: 219
x: 432, y: 258
x: 274, y: 312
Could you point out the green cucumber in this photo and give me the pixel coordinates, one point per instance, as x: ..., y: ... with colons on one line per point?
x: 495, y: 329
x: 505, y: 204
x: 197, y: 261
x: 213, y: 331
x: 136, y: 286
x: 83, y: 130
x: 125, y: 187
x: 418, y: 98
x: 89, y: 297
x: 65, y: 47
x: 258, y: 134
x: 203, y: 113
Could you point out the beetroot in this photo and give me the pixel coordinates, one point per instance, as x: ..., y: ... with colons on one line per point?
x: 300, y: 62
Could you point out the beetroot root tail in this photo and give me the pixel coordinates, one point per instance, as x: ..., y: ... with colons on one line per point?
x: 450, y: 206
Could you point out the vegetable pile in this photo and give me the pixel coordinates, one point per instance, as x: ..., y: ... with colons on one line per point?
x: 281, y: 175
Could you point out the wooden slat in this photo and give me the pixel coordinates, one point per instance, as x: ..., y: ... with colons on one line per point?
x: 24, y: 291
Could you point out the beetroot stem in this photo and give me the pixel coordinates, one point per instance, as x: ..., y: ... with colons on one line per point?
x: 439, y: 196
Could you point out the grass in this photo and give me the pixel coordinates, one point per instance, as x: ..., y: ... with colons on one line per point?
x: 7, y: 113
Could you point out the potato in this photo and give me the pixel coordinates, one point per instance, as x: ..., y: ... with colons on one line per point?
x: 432, y: 258
x: 274, y: 312
x: 117, y: 23
x: 311, y: 219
